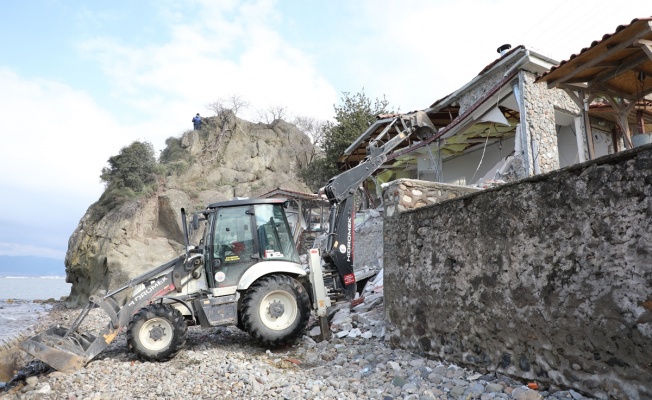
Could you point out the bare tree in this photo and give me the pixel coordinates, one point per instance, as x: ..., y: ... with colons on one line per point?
x: 237, y: 102
x: 314, y: 128
x: 272, y: 113
x: 233, y: 103
x: 216, y: 107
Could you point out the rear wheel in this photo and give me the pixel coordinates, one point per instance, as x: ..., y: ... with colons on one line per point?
x: 157, y: 332
x: 275, y: 310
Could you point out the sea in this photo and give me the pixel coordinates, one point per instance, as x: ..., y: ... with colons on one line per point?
x: 18, y: 309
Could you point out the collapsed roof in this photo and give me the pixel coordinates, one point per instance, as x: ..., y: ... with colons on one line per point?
x: 483, y: 111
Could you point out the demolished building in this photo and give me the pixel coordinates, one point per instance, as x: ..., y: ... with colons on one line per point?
x: 548, y: 278
x: 520, y: 116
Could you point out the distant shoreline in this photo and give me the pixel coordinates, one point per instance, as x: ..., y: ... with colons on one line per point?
x: 34, y: 276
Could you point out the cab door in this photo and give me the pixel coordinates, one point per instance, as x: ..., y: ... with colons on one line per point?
x: 233, y: 248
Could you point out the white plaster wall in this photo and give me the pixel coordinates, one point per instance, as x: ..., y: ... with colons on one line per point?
x: 602, y: 143
x: 460, y: 170
x: 567, y: 142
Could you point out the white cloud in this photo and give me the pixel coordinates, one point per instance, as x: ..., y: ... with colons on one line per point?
x: 227, y: 50
x: 53, y: 136
x: 417, y: 51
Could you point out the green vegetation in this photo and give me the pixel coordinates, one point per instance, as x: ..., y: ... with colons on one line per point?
x: 174, y: 159
x: 173, y: 150
x: 352, y: 118
x: 130, y: 174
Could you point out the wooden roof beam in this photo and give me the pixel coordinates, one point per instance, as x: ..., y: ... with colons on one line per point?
x: 576, y: 99
x: 607, y: 64
x: 584, y: 80
x: 611, y: 49
x: 646, y: 45
x: 565, y: 86
x: 607, y: 90
x: 621, y: 69
x: 622, y: 110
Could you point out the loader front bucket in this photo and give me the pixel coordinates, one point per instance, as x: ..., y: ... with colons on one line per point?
x: 63, y: 350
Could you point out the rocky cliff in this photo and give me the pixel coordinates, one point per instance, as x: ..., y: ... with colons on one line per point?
x: 228, y: 158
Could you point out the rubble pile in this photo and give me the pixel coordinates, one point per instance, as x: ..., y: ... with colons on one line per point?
x: 226, y: 363
x: 363, y: 318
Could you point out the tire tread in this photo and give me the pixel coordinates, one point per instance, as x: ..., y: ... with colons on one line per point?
x: 250, y: 307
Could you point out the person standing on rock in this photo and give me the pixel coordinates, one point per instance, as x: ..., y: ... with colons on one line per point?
x: 196, y: 121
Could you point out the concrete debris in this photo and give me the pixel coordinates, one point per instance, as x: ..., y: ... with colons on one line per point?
x: 362, y: 318
x: 355, y: 332
x: 376, y: 284
x: 394, y: 365
x: 316, y: 331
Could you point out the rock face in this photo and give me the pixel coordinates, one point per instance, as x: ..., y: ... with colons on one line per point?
x: 228, y: 158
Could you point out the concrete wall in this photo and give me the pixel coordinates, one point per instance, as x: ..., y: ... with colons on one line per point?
x: 546, y: 279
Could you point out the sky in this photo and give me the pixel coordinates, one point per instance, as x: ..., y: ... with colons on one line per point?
x: 80, y: 80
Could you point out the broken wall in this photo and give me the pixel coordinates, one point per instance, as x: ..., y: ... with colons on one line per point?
x: 407, y: 194
x: 545, y: 279
x: 482, y: 87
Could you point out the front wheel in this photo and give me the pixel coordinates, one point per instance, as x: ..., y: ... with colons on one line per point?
x: 157, y: 332
x: 275, y: 310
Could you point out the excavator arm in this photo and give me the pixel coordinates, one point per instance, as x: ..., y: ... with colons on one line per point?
x: 340, y: 190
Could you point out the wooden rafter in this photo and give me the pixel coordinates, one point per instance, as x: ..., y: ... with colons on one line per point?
x: 576, y: 99
x: 612, y: 49
x: 607, y: 64
x: 623, y: 109
x: 646, y: 45
x: 624, y: 67
x: 572, y: 87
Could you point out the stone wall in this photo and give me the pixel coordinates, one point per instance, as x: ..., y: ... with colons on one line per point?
x: 540, y: 104
x: 547, y: 279
x: 407, y: 194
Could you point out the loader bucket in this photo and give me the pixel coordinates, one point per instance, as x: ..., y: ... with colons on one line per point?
x: 61, y: 350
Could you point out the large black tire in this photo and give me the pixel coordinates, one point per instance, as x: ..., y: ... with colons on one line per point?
x: 275, y: 310
x: 157, y: 332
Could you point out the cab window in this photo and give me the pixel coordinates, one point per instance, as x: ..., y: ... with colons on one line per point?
x: 233, y: 239
x: 274, y: 235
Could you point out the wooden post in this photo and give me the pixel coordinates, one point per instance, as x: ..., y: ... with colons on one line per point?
x: 587, y: 125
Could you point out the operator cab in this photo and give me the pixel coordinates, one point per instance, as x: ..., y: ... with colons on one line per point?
x: 242, y: 233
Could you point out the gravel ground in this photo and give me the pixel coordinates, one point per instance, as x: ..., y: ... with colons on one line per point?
x: 225, y: 363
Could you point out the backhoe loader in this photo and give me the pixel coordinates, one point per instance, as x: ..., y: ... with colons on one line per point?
x: 245, y: 271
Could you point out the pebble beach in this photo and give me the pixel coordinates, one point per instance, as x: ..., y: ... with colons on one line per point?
x: 225, y: 363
